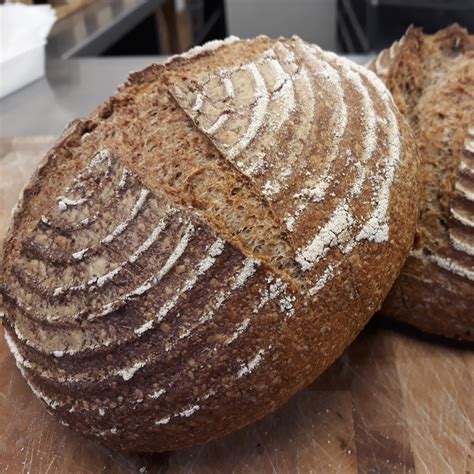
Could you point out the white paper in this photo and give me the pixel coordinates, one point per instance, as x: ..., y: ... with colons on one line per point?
x: 23, y: 27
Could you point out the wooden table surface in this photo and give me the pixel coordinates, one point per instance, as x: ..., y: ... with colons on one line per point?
x: 394, y: 402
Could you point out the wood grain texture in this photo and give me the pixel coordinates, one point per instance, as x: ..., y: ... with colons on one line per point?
x: 391, y: 403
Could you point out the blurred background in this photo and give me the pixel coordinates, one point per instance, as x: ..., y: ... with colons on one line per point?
x: 147, y: 27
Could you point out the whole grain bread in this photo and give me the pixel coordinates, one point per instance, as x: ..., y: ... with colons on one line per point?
x: 208, y: 241
x: 431, y: 78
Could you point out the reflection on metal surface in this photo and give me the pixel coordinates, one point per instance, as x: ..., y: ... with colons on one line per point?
x: 97, y: 26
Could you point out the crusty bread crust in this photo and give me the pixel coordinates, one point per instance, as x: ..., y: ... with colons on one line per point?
x: 148, y: 319
x: 449, y: 314
x: 432, y: 80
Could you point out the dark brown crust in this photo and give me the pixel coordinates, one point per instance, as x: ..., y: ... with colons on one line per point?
x: 436, y: 310
x: 286, y: 345
x: 430, y: 77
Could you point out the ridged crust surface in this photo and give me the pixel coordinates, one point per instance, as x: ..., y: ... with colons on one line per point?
x: 146, y: 323
x: 432, y: 81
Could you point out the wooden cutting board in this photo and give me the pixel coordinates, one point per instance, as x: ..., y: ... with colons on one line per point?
x: 394, y: 402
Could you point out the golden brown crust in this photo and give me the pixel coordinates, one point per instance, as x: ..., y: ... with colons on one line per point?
x: 148, y: 318
x: 432, y: 81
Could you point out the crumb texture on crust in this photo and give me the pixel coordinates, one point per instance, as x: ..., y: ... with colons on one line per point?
x: 432, y: 80
x: 207, y: 242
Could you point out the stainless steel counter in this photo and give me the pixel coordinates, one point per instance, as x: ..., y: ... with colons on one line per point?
x: 71, y: 89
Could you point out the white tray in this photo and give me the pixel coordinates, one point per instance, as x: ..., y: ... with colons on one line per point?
x: 21, y: 69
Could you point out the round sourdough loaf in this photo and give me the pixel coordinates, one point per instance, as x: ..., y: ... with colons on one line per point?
x: 208, y: 241
x: 432, y: 80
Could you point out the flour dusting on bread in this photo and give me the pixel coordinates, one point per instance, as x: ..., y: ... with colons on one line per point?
x: 207, y: 241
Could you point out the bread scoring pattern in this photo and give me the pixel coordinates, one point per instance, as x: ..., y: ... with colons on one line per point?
x: 381, y: 64
x: 281, y: 88
x: 71, y: 257
x: 461, y: 234
x: 456, y: 255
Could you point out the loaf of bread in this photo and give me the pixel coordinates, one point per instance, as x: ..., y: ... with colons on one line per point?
x: 432, y: 80
x: 208, y: 241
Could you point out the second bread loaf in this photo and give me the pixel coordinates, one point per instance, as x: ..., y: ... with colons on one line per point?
x: 432, y: 81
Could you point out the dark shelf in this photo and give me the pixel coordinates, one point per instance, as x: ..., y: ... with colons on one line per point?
x: 93, y: 29
x: 209, y: 25
x: 371, y: 25
x: 351, y: 19
x: 431, y: 4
